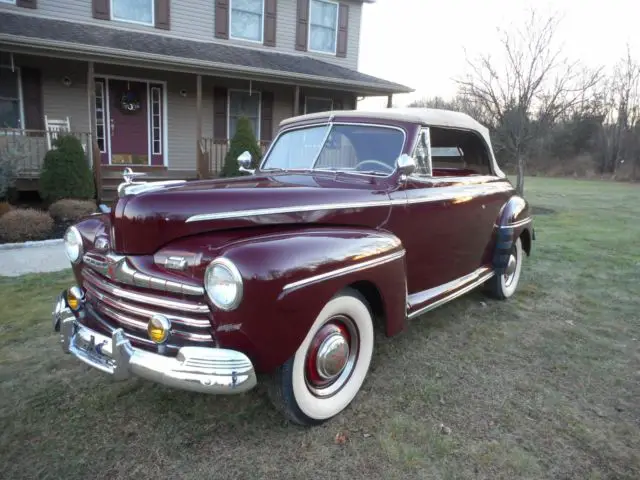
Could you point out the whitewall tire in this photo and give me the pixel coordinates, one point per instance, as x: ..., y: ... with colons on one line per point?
x: 325, y: 374
x: 504, y: 285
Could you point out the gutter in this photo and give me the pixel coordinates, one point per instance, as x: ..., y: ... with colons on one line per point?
x: 108, y: 52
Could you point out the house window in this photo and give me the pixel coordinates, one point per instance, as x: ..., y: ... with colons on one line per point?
x: 316, y: 104
x: 244, y: 104
x: 156, y: 118
x: 323, y: 26
x: 135, y: 11
x: 11, y: 115
x: 247, y: 19
x: 100, y: 114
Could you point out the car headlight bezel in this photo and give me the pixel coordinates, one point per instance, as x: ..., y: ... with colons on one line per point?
x: 73, y: 233
x: 217, y: 266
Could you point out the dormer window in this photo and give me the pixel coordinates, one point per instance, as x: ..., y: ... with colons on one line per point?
x: 134, y: 11
x: 247, y: 20
x: 323, y: 26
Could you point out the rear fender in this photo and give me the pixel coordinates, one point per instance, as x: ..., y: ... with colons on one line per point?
x: 290, y: 276
x: 514, y: 221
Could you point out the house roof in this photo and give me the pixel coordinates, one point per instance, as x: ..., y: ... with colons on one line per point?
x: 162, y: 50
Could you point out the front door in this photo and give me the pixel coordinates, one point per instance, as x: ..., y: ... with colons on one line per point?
x: 129, y: 122
x: 131, y: 127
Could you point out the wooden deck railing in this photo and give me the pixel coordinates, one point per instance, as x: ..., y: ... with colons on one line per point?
x: 29, y: 147
x: 213, y: 152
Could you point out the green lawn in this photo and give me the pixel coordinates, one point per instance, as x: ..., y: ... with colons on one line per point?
x: 545, y: 385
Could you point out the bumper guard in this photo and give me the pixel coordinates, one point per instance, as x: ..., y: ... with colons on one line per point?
x: 198, y: 369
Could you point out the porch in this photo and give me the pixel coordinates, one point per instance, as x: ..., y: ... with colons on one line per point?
x: 170, y: 116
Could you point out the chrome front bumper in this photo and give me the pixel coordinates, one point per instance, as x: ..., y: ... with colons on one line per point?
x: 198, y: 369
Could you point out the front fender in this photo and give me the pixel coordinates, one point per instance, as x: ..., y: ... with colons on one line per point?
x: 289, y: 277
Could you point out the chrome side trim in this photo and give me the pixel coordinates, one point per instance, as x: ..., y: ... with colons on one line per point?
x: 483, y: 278
x: 344, y: 270
x: 178, y: 305
x: 290, y: 209
x: 518, y: 223
x: 117, y: 267
x: 434, y: 195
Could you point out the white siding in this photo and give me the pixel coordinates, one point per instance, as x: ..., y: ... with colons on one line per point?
x: 194, y: 19
x: 189, y: 18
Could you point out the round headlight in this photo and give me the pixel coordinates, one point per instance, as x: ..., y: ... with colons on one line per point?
x: 73, y: 244
x: 223, y: 284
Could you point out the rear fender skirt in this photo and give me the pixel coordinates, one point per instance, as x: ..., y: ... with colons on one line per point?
x: 513, y: 219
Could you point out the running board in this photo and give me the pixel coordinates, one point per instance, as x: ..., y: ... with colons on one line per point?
x: 466, y: 284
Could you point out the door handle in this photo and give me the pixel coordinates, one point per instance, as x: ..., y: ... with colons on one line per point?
x: 113, y: 127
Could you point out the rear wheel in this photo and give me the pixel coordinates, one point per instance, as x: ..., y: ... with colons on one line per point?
x: 504, y: 285
x: 330, y: 366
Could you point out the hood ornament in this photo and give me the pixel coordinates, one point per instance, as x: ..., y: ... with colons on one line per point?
x: 128, y: 174
x: 130, y: 187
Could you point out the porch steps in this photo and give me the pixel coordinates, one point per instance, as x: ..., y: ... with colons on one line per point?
x: 111, y: 177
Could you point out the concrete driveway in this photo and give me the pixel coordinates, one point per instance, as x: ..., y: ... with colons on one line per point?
x: 49, y: 257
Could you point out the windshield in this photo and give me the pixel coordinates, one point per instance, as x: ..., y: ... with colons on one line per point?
x: 359, y: 148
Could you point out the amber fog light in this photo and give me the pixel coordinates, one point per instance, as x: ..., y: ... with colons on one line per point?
x: 75, y: 297
x: 158, y: 328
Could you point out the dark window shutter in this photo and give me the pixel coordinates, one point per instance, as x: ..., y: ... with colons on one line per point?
x: 27, y: 3
x: 270, y: 14
x: 266, y: 117
x: 343, y: 30
x: 222, y: 18
x: 302, y: 25
x: 102, y: 9
x: 32, y: 98
x: 220, y: 113
x: 163, y: 14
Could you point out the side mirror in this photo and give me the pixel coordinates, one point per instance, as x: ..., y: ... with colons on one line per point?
x: 406, y: 164
x: 244, y: 162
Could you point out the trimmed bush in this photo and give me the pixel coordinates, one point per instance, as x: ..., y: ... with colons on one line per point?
x: 68, y: 209
x: 24, y: 224
x: 5, y: 207
x: 243, y: 140
x: 66, y: 172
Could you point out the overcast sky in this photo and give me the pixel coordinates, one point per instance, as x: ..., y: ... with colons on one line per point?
x: 420, y: 43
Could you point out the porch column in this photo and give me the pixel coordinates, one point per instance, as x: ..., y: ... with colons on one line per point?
x: 93, y: 150
x: 296, y: 101
x: 202, y: 164
x: 390, y: 101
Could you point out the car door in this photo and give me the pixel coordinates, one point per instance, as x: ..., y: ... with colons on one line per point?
x: 427, y: 225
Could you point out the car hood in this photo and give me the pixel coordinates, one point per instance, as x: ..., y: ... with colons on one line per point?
x: 144, y: 222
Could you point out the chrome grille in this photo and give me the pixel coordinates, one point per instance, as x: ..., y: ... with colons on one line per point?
x: 130, y: 308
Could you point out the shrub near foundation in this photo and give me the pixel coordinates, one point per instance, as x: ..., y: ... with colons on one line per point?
x: 65, y: 172
x: 24, y: 224
x: 5, y: 207
x: 70, y: 210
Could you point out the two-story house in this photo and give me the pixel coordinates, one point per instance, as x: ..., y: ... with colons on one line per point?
x: 160, y: 84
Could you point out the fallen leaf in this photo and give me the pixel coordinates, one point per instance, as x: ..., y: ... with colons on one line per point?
x: 341, y: 438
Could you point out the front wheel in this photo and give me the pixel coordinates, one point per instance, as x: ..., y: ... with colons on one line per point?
x: 504, y: 285
x: 329, y: 367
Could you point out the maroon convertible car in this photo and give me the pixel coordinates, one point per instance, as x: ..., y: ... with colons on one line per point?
x: 353, y: 217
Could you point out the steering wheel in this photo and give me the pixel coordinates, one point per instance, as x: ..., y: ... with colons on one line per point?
x: 377, y: 162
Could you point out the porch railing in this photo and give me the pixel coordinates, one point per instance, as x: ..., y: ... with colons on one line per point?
x: 28, y: 147
x: 214, y: 151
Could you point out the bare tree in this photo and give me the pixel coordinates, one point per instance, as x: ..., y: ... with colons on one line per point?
x: 528, y: 88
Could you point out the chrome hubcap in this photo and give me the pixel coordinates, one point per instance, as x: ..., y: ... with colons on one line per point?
x: 510, y: 271
x: 331, y: 356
